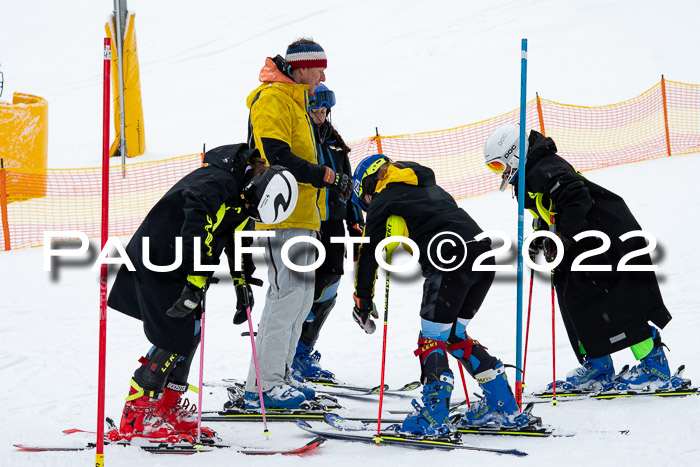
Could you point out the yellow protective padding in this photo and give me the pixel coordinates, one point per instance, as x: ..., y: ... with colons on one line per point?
x: 396, y: 227
x: 24, y: 141
x: 133, y: 110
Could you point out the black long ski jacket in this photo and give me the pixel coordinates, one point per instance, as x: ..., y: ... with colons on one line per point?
x: 603, y: 311
x: 205, y: 203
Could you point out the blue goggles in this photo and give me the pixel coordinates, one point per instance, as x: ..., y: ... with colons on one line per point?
x: 322, y: 99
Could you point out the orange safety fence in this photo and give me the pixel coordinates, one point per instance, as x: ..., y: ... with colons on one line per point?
x: 663, y: 121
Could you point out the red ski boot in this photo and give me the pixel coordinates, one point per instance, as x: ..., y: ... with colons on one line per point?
x: 139, y: 417
x: 182, y: 416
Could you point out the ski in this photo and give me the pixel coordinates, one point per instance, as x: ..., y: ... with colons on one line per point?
x: 271, y: 415
x: 331, y: 386
x: 532, y: 431
x: 279, y: 415
x: 681, y: 387
x: 180, y: 448
x: 392, y: 438
x: 611, y: 394
x: 358, y: 392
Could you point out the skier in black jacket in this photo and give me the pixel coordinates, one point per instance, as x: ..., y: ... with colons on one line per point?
x: 335, y: 211
x: 208, y: 205
x: 451, y: 294
x: 604, y: 311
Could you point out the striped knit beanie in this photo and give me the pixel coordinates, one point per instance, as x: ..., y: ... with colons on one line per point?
x: 306, y: 56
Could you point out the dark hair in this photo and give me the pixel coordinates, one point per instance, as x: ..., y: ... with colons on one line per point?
x: 302, y: 40
x: 338, y: 139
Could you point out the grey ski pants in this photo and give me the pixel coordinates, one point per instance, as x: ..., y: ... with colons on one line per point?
x: 289, y: 298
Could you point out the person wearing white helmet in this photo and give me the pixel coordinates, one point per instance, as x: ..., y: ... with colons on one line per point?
x: 207, y: 205
x: 603, y: 311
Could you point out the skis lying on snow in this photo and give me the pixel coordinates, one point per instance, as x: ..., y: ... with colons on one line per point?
x: 393, y: 438
x: 181, y: 448
x: 346, y: 390
x: 175, y: 444
x: 534, y: 430
x: 333, y: 387
x: 682, y: 388
x: 278, y: 415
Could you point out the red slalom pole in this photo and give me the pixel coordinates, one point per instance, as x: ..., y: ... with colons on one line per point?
x: 104, y: 233
x: 527, y: 326
x: 552, y: 228
x: 554, y: 352
x: 464, y: 382
x: 386, y: 320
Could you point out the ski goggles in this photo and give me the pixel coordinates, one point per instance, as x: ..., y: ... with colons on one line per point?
x: 496, y: 166
x: 322, y: 99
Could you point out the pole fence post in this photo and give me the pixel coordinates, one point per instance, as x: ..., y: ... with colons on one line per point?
x: 540, y: 115
x: 104, y: 232
x: 3, y: 205
x: 663, y: 99
x: 378, y: 140
x: 521, y: 220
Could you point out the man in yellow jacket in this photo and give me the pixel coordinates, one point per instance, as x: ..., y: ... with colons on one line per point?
x: 280, y: 128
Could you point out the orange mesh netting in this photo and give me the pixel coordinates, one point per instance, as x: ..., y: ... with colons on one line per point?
x: 663, y: 121
x: 73, y: 199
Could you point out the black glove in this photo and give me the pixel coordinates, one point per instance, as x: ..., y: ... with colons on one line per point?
x: 549, y: 248
x: 244, y: 298
x: 536, y: 245
x: 338, y: 182
x: 362, y: 313
x: 189, y: 300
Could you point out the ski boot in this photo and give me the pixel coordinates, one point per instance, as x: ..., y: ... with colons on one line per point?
x: 306, y: 364
x: 594, y: 375
x: 283, y: 396
x: 432, y: 418
x: 139, y: 417
x: 304, y: 388
x: 650, y: 374
x: 181, y: 415
x: 498, y: 407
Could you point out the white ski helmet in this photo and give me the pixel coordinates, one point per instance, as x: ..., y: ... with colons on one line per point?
x: 501, y: 152
x: 271, y: 195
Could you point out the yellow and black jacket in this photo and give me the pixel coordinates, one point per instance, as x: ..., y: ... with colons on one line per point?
x: 409, y: 190
x: 281, y: 129
x: 205, y: 203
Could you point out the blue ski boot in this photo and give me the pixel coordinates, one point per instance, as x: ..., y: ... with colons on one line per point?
x: 306, y: 364
x: 594, y: 375
x: 300, y: 385
x: 433, y: 418
x: 498, y: 407
x: 651, y: 373
x: 283, y: 396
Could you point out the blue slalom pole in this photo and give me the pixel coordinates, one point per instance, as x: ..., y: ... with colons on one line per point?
x: 521, y: 221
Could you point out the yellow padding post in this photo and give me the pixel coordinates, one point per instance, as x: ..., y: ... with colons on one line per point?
x: 133, y: 110
x: 24, y: 142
